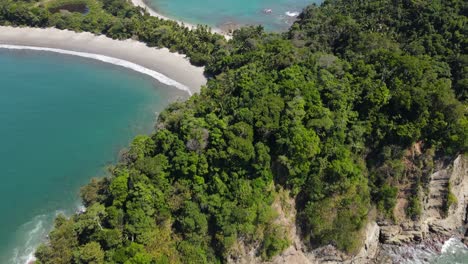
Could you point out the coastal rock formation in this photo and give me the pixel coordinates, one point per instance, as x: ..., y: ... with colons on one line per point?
x: 439, y: 220
x: 458, y: 180
x: 384, y: 238
x: 297, y: 253
x: 371, y: 244
x: 465, y: 239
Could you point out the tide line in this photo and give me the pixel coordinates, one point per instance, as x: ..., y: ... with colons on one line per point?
x: 119, y: 62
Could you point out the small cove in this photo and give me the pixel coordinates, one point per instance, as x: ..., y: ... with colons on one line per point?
x: 274, y: 15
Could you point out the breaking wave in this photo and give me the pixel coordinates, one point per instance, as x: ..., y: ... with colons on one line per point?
x: 292, y: 14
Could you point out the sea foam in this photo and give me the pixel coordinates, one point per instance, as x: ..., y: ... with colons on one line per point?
x: 123, y: 63
x: 292, y: 14
x: 33, y: 233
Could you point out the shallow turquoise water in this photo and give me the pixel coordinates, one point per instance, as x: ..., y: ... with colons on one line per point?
x: 62, y: 120
x: 215, y: 13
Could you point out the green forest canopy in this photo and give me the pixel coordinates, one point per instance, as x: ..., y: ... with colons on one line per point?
x: 325, y: 110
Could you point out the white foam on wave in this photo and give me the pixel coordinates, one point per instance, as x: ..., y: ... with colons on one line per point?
x: 292, y: 14
x: 33, y: 233
x: 123, y: 63
x: 451, y: 251
x: 449, y: 245
x: 80, y: 209
x: 453, y: 246
x: 31, y: 258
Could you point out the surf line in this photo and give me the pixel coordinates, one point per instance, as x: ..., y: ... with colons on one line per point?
x: 119, y: 62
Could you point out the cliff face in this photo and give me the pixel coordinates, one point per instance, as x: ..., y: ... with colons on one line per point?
x: 435, y: 219
x: 297, y: 252
x: 384, y: 238
x: 455, y: 180
x: 459, y: 183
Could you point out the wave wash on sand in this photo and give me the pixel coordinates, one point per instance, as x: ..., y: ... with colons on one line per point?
x: 152, y: 12
x: 126, y: 64
x: 172, y: 69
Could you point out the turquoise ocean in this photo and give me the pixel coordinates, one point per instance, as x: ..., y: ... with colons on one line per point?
x: 216, y: 13
x: 63, y: 119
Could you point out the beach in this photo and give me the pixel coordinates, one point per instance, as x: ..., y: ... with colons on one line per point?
x: 170, y: 68
x: 141, y: 3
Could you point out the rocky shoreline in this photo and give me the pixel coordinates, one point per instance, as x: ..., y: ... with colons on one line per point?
x: 407, y: 241
x: 421, y: 251
x: 404, y: 241
x: 433, y: 229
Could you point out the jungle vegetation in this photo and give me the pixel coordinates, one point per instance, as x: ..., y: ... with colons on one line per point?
x: 326, y: 110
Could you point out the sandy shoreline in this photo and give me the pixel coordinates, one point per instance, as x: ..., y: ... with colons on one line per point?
x: 141, y: 3
x: 129, y: 53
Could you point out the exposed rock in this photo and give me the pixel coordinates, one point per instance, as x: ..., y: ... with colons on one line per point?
x: 293, y: 254
x: 439, y: 229
x: 408, y: 237
x: 384, y: 239
x: 433, y: 227
x: 465, y: 239
x: 371, y: 244
x: 388, y: 233
x: 328, y: 254
x: 457, y: 176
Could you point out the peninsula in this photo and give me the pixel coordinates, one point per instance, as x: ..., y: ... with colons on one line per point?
x: 343, y: 139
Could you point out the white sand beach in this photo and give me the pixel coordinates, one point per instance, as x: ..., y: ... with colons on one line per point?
x: 167, y: 67
x: 141, y: 3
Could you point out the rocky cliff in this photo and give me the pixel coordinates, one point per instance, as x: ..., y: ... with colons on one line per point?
x: 384, y: 239
x: 439, y: 216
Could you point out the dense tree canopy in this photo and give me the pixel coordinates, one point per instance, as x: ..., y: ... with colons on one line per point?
x: 325, y: 110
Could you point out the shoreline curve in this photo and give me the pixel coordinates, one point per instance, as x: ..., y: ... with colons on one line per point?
x: 171, y: 69
x: 152, y: 12
x: 123, y: 63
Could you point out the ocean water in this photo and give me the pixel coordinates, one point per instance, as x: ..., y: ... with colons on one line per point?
x: 63, y: 119
x: 452, y: 251
x: 217, y: 13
